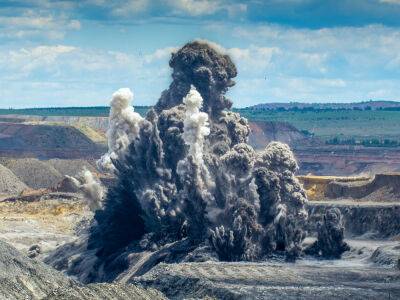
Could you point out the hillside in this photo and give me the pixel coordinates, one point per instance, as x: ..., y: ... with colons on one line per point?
x: 347, y: 126
x: 263, y: 132
x: 46, y: 141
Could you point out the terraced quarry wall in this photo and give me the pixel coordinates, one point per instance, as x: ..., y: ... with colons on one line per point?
x: 378, y: 188
x: 314, y: 156
x: 46, y: 141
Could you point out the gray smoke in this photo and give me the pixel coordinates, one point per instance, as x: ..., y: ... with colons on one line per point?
x: 92, y: 190
x: 187, y: 176
x: 330, y: 240
x: 196, y: 176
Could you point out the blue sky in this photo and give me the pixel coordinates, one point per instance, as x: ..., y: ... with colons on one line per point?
x: 76, y: 53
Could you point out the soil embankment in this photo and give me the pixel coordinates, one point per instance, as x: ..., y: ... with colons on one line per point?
x: 9, y: 183
x: 264, y: 132
x: 46, y: 141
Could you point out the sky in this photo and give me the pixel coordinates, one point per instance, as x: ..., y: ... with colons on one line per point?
x: 77, y: 53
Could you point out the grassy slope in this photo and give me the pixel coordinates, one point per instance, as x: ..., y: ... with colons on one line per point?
x: 328, y: 124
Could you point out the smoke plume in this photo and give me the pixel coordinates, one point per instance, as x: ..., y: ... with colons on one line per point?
x: 330, y: 239
x: 188, y: 182
x: 123, y: 128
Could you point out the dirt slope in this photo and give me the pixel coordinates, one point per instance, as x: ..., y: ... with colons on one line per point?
x: 379, y: 188
x: 46, y: 141
x: 25, y: 278
x: 382, y: 187
x: 9, y: 183
x: 34, y: 173
x: 264, y: 132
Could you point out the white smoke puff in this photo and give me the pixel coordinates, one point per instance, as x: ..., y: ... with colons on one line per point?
x: 282, y: 212
x: 195, y: 129
x: 196, y: 126
x: 123, y: 128
x: 91, y: 188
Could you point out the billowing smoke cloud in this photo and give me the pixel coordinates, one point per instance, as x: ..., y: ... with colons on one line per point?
x: 330, y: 239
x: 188, y: 182
x: 123, y: 128
x: 91, y: 188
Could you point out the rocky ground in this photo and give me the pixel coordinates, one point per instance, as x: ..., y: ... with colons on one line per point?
x: 36, y: 218
x: 368, y: 271
x: 45, y: 222
x: 303, y: 280
x: 25, y: 278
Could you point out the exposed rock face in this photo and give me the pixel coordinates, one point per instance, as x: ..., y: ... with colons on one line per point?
x: 269, y: 281
x: 377, y: 220
x: 189, y: 186
x: 264, y: 132
x: 25, y: 278
x: 382, y: 187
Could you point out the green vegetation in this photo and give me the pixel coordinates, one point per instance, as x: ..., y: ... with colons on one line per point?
x: 364, y: 142
x: 367, y: 127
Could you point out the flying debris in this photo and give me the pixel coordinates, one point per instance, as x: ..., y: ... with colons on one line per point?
x: 189, y: 187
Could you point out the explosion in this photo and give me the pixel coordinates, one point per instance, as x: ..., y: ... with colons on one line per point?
x: 189, y: 187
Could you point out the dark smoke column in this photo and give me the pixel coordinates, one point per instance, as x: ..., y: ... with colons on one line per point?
x: 210, y: 72
x: 189, y: 183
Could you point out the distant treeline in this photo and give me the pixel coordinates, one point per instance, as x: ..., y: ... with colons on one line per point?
x: 368, y: 142
x: 94, y: 111
x: 298, y: 106
x: 317, y: 109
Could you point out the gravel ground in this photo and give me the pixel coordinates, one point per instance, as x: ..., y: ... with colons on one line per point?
x: 272, y: 281
x: 34, y: 173
x: 9, y: 183
x: 25, y: 278
x: 71, y: 167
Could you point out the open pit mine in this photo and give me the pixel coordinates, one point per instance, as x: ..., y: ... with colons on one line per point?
x: 181, y: 206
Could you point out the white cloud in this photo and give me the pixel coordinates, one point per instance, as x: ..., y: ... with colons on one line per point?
x: 56, y: 74
x: 390, y: 1
x: 353, y: 51
x: 330, y: 64
x: 196, y: 7
x: 27, y: 60
x: 31, y: 24
x: 129, y: 8
x: 207, y: 7
x: 253, y: 59
x: 163, y: 53
x: 236, y: 9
